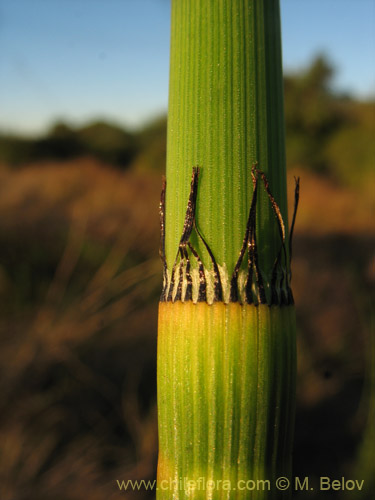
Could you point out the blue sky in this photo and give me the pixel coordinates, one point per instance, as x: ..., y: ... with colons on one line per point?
x: 76, y: 60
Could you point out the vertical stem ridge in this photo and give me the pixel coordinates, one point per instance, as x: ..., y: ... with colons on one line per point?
x: 226, y: 371
x: 225, y: 114
x: 221, y: 381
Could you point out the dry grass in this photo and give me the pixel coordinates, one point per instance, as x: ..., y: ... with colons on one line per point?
x: 327, y: 208
x: 79, y: 285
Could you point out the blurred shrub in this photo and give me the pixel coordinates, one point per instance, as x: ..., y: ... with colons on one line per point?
x: 311, y: 114
x: 325, y: 132
x: 107, y: 142
x: 152, y: 144
x: 351, y: 149
x: 14, y: 150
x: 104, y: 141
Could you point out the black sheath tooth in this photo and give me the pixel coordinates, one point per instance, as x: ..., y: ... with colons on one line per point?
x: 290, y: 297
x: 253, y: 262
x: 284, y: 297
x: 234, y: 280
x: 188, y: 292
x: 183, y: 256
x: 202, y: 291
x: 262, y: 299
x: 274, y: 278
x: 280, y: 225
x: 273, y: 285
x: 249, y: 288
x: 251, y: 252
x: 189, y: 285
x: 250, y: 268
x: 218, y: 289
x: 190, y: 210
x: 275, y: 206
x: 186, y: 232
x: 233, y: 297
x: 178, y: 295
x: 163, y: 292
x: 280, y: 291
x: 171, y: 285
x: 296, y: 200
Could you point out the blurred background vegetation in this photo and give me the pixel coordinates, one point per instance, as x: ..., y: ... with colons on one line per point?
x: 80, y: 279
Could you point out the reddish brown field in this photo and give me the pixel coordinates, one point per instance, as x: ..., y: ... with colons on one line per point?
x: 79, y: 283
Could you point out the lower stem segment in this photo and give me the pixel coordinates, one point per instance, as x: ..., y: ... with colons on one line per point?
x: 226, y: 397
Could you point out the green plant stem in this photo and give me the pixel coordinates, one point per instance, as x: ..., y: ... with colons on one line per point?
x: 226, y: 361
x: 225, y: 114
x: 226, y: 399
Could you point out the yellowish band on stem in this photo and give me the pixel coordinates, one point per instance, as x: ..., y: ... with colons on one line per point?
x: 226, y: 374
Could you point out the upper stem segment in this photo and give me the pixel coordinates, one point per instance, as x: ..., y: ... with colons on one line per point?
x: 225, y: 114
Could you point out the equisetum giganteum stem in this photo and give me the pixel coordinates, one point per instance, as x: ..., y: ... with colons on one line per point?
x: 226, y: 336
